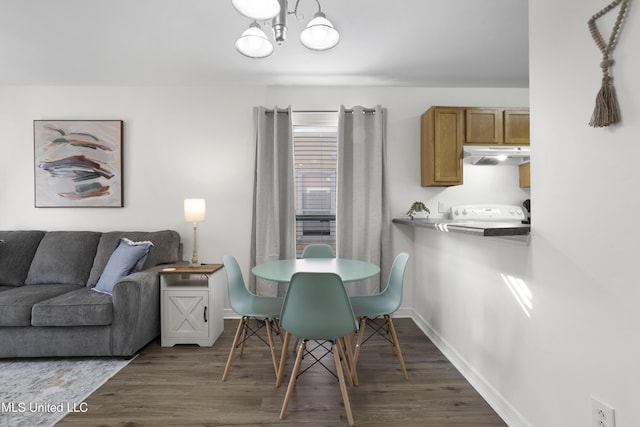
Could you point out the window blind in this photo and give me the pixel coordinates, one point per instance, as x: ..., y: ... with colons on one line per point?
x: 315, y: 158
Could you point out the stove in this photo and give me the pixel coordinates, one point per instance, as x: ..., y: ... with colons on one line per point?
x: 483, y: 220
x: 487, y: 213
x: 488, y: 220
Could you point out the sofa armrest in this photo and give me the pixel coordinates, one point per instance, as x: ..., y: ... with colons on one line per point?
x: 136, y: 311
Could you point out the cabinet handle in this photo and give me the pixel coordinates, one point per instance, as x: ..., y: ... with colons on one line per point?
x: 205, y: 314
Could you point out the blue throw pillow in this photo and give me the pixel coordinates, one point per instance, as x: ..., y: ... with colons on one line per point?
x: 127, y: 258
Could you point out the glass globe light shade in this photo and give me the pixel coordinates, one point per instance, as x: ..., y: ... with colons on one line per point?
x: 319, y: 34
x: 257, y: 9
x: 254, y: 43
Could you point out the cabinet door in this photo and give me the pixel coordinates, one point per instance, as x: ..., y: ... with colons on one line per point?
x: 524, y: 171
x: 484, y: 126
x: 516, y: 127
x: 441, y: 147
x: 185, y: 313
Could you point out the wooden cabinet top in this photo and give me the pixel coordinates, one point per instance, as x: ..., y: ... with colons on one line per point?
x: 184, y: 268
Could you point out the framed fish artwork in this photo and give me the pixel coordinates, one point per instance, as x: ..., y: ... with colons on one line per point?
x: 78, y: 163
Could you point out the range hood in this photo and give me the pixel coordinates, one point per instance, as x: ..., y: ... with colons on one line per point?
x: 496, y: 155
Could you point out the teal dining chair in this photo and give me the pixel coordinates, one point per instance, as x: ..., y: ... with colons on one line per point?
x: 370, y: 307
x: 318, y: 250
x: 317, y: 308
x: 263, y: 310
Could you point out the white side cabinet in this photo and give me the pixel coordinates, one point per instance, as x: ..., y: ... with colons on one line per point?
x: 192, y: 304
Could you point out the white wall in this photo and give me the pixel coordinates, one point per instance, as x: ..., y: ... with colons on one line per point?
x: 584, y: 269
x: 197, y: 142
x: 580, y: 337
x: 178, y: 143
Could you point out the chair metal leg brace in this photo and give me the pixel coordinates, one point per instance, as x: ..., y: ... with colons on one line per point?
x: 335, y: 349
x: 247, y: 331
x: 389, y: 334
x: 317, y: 359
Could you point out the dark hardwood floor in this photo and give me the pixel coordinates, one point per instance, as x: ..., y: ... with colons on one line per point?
x: 181, y: 386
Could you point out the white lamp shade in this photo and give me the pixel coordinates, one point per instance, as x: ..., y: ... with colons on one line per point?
x: 254, y: 43
x: 257, y: 9
x: 194, y: 210
x: 319, y: 34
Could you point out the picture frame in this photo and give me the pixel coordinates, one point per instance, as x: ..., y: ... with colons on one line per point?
x: 78, y: 163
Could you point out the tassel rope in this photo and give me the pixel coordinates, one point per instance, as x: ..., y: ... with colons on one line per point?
x: 606, y: 111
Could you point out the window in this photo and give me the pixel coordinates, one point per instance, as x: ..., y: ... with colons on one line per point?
x: 315, y: 148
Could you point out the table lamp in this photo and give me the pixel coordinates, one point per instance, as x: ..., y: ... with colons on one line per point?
x: 194, y: 211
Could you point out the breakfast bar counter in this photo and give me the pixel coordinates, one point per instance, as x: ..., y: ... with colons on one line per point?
x: 479, y: 228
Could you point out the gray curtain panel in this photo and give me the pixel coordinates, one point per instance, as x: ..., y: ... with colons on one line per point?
x: 273, y: 233
x: 363, y: 214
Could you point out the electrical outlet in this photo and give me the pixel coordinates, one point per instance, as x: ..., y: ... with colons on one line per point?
x: 442, y: 208
x: 602, y: 414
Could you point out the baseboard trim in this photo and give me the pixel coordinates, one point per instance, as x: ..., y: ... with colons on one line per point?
x: 499, y: 404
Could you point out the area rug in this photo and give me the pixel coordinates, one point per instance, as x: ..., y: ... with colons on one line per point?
x: 40, y: 392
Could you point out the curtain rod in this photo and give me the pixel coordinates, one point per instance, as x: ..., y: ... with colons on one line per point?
x: 365, y: 110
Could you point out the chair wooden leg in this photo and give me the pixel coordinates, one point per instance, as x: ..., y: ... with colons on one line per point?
x: 351, y: 359
x: 283, y: 358
x: 396, y: 343
x: 340, y: 345
x: 343, y: 387
x: 245, y: 324
x: 233, y: 349
x: 292, y: 380
x: 276, y: 325
x: 272, y: 346
x: 363, y: 323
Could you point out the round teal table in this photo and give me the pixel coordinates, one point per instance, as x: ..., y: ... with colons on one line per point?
x: 349, y: 270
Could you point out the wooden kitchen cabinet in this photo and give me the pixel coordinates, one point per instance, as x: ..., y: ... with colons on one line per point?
x: 496, y: 126
x: 524, y: 171
x: 442, y: 136
x: 484, y: 126
x: 516, y: 127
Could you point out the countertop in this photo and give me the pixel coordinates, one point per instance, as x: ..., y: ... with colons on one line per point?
x: 480, y: 228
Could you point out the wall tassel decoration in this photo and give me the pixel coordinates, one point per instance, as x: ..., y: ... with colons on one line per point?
x: 606, y: 111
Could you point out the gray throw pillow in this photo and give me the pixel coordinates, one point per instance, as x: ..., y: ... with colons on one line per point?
x: 127, y: 258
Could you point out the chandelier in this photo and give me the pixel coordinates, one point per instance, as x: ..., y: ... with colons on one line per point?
x: 318, y: 35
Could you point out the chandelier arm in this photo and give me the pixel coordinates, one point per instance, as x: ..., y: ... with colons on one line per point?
x: 295, y: 9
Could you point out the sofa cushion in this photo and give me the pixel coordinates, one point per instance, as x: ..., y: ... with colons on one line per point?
x: 16, y: 303
x: 81, y: 307
x: 16, y: 253
x: 166, y: 247
x: 128, y: 257
x: 64, y: 257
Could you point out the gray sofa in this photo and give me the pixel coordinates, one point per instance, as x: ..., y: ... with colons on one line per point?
x: 47, y: 304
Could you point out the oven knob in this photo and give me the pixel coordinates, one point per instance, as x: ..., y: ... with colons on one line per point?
x: 456, y: 212
x: 464, y: 211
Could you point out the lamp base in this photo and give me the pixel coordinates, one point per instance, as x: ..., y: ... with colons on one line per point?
x: 195, y: 265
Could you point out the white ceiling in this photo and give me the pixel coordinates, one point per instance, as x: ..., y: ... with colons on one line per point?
x: 434, y: 43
